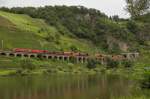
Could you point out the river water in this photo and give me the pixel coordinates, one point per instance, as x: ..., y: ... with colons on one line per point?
x: 66, y: 87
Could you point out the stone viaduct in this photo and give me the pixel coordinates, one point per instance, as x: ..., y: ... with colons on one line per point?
x: 81, y: 59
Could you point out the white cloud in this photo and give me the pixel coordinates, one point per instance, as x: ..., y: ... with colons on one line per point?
x: 110, y: 7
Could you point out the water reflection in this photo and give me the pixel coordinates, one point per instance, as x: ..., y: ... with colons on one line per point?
x: 64, y: 87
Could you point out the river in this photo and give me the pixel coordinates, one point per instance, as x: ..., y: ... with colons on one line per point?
x: 68, y: 87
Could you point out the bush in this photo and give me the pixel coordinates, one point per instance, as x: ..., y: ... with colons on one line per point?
x: 145, y: 81
x: 73, y: 48
x: 127, y: 63
x: 111, y: 63
x: 27, y: 64
x: 49, y: 38
x: 92, y: 64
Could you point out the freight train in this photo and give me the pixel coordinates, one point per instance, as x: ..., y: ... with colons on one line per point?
x: 71, y: 53
x: 101, y: 57
x: 24, y: 50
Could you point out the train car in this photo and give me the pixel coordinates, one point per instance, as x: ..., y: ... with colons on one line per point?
x: 51, y: 52
x: 39, y: 51
x: 117, y: 57
x: 61, y: 53
x: 68, y: 53
x: 80, y: 54
x: 83, y: 54
x: 58, y: 53
x: 101, y: 56
x: 23, y: 50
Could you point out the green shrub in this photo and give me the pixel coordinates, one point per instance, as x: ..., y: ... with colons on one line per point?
x: 127, y: 63
x: 27, y: 64
x: 145, y: 81
x: 111, y: 63
x: 49, y: 37
x: 92, y: 64
x: 73, y: 48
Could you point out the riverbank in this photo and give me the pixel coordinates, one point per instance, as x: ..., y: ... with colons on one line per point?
x: 125, y: 72
x: 18, y: 66
x: 138, y: 70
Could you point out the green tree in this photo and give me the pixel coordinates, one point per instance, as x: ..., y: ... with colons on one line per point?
x: 132, y: 27
x: 137, y: 7
x: 115, y: 18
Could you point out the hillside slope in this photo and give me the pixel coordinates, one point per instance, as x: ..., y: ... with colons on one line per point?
x: 73, y: 28
x: 109, y: 34
x: 19, y: 30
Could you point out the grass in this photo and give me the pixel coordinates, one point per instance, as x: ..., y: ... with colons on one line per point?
x: 27, y: 23
x: 19, y: 30
x: 6, y: 72
x: 46, y: 66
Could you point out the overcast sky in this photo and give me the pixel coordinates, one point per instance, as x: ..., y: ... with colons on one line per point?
x: 109, y: 7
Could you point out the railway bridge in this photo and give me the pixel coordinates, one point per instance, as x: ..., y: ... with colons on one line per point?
x: 77, y: 58
x: 81, y: 59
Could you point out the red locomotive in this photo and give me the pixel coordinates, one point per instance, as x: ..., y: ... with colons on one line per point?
x: 23, y: 50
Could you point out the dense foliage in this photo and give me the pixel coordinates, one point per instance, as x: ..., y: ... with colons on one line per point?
x: 89, y: 24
